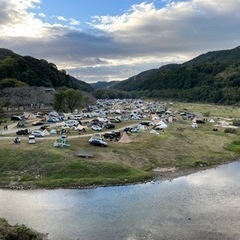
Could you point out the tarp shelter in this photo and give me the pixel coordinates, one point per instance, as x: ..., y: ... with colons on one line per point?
x: 125, y: 138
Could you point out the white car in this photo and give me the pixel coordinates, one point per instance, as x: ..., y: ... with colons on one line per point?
x: 38, y: 133
x: 96, y: 128
x: 72, y: 123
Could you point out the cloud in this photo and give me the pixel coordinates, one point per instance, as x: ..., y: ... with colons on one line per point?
x: 117, y: 47
x: 61, y: 18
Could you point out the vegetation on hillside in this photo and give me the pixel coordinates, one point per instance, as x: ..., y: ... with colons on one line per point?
x: 212, y: 77
x: 16, y: 70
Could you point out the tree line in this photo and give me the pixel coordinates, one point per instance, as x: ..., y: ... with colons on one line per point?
x: 36, y: 98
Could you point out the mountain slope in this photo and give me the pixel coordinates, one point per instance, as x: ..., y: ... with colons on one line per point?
x: 210, y: 77
x: 36, y: 72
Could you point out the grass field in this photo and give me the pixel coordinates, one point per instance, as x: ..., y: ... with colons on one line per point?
x: 179, y: 146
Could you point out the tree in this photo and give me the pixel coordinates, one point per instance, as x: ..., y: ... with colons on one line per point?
x: 10, y: 82
x: 68, y: 99
x: 59, y: 100
x: 73, y: 99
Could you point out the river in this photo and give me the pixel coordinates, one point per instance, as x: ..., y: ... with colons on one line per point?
x: 203, y: 205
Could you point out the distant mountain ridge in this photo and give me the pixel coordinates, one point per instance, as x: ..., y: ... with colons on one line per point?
x: 36, y: 72
x: 210, y: 77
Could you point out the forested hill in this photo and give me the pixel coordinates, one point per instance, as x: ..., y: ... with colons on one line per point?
x: 211, y: 77
x: 25, y: 70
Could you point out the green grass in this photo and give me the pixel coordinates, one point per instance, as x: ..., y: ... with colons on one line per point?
x: 178, y: 146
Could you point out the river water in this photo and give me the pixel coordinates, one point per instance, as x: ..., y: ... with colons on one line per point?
x: 204, y: 205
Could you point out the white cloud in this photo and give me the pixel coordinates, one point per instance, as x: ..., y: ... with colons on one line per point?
x: 142, y: 38
x: 61, y: 18
x: 42, y: 15
x: 74, y: 22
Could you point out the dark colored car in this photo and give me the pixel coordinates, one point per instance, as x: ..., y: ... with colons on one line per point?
x: 109, y: 126
x: 98, y: 142
x: 113, y: 135
x: 22, y: 132
x: 16, y: 118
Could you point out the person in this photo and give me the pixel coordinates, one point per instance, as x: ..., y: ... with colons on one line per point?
x: 17, y: 140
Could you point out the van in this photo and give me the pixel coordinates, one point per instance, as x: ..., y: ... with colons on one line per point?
x: 31, y: 139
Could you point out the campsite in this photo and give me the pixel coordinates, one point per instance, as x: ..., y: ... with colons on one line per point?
x: 170, y: 142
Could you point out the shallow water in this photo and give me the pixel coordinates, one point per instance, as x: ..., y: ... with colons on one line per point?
x: 204, y: 205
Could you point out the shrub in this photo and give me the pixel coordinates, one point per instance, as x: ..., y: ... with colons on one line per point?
x: 230, y: 130
x: 236, y: 122
x: 206, y: 114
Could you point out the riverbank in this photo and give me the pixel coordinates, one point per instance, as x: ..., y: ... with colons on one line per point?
x: 43, y: 166
x: 17, y: 231
x: 178, y: 150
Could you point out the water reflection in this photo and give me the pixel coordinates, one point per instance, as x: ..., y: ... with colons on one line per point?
x: 204, y: 205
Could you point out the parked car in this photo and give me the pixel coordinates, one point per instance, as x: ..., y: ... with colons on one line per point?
x: 113, y: 135
x: 114, y: 120
x: 53, y: 119
x: 147, y: 123
x: 38, y: 133
x: 31, y: 139
x: 16, y: 118
x: 45, y: 126
x: 109, y: 126
x: 72, y: 123
x: 22, y: 132
x: 77, y: 117
x: 98, y: 142
x: 96, y: 128
x: 38, y: 123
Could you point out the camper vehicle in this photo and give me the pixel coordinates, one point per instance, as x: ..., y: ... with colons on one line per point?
x: 31, y: 139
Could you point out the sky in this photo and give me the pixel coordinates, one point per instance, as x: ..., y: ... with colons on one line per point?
x: 109, y: 40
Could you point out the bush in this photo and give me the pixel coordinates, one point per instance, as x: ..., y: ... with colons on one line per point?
x: 206, y: 114
x: 236, y: 122
x: 230, y: 130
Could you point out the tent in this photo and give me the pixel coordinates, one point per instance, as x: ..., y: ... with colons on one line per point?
x: 125, y: 138
x: 46, y: 132
x: 161, y: 124
x: 154, y: 132
x: 28, y: 115
x: 194, y: 125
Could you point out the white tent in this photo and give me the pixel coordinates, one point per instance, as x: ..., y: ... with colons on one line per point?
x: 46, y: 132
x: 194, y: 125
x: 161, y: 124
